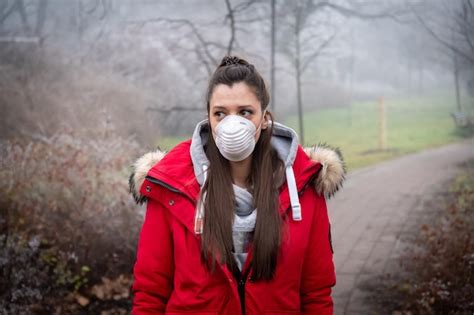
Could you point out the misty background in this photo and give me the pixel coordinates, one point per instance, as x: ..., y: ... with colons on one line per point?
x: 87, y: 86
x: 141, y: 67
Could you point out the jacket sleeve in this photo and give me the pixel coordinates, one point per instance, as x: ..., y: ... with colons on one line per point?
x: 318, y: 268
x: 154, y: 268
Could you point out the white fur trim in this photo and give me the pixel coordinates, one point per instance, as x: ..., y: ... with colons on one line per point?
x: 332, y: 173
x: 329, y: 180
x: 140, y: 170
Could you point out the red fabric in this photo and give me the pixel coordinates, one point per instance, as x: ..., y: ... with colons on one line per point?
x: 170, y: 279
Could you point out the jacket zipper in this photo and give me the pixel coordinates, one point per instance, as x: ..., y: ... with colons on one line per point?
x: 168, y: 186
x: 161, y: 183
x: 242, y: 295
x: 241, y: 280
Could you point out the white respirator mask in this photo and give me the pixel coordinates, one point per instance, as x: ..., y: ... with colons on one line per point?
x: 235, y: 137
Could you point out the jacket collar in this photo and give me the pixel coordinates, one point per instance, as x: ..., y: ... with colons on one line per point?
x: 175, y: 168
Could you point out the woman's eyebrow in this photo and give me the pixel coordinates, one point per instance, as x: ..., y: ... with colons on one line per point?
x: 239, y: 107
x: 220, y: 107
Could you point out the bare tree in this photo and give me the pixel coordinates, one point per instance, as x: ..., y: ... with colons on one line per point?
x: 308, y: 39
x: 41, y: 17
x: 272, y: 54
x: 18, y: 8
x: 206, y: 50
x: 310, y: 30
x: 451, y: 24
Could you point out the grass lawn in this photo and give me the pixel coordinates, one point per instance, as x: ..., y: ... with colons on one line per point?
x: 412, y: 124
x: 167, y: 143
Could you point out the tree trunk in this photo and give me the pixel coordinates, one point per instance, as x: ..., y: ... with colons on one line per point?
x: 456, y: 83
x: 41, y: 17
x: 352, y: 71
x: 298, y: 80
x: 382, y: 128
x: 230, y: 14
x: 24, y: 18
x: 300, y: 106
x: 272, y: 58
x: 420, y: 76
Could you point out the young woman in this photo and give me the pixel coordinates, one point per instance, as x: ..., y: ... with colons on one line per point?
x: 236, y: 219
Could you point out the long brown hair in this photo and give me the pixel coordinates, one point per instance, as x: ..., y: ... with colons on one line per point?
x: 217, y: 242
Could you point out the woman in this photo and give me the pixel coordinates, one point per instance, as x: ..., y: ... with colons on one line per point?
x: 236, y: 219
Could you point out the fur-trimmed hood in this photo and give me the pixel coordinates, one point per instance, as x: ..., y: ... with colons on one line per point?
x: 329, y: 180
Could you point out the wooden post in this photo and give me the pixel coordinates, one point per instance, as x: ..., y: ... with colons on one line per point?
x: 382, y: 131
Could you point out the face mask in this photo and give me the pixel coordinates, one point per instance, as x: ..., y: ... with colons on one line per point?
x: 235, y: 137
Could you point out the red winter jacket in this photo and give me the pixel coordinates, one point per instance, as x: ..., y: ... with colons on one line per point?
x: 168, y: 275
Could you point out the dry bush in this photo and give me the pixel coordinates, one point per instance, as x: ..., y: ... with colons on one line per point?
x: 42, y: 91
x: 68, y: 223
x: 437, y: 271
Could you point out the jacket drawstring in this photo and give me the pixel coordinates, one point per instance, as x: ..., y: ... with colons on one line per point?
x: 199, y: 216
x: 293, y: 191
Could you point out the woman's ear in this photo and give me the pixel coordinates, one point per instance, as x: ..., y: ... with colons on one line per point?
x: 265, y: 121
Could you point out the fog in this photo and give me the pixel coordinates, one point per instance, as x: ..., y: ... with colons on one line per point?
x: 143, y: 66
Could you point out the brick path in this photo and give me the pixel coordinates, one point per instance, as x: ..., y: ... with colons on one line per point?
x: 375, y: 207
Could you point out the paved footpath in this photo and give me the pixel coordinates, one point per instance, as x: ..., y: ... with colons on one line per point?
x: 376, y: 206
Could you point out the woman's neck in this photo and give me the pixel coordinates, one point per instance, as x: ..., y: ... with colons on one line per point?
x: 240, y: 171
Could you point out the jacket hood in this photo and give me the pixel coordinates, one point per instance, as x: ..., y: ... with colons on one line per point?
x: 284, y: 140
x: 329, y: 180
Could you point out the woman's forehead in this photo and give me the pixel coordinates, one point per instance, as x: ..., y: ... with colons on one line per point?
x: 235, y: 96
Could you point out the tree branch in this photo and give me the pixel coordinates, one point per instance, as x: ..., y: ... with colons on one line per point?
x: 441, y: 40
x: 348, y: 12
x: 203, y: 43
x: 316, y: 53
x: 174, y: 109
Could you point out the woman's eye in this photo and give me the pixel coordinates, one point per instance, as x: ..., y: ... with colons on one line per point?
x: 219, y: 114
x: 246, y: 112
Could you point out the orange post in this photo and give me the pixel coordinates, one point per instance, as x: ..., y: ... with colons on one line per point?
x: 382, y: 131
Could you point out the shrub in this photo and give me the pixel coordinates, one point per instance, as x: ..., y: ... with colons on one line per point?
x: 437, y: 270
x: 68, y: 222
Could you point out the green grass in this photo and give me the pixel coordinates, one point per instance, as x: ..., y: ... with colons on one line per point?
x: 167, y: 143
x: 412, y: 124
